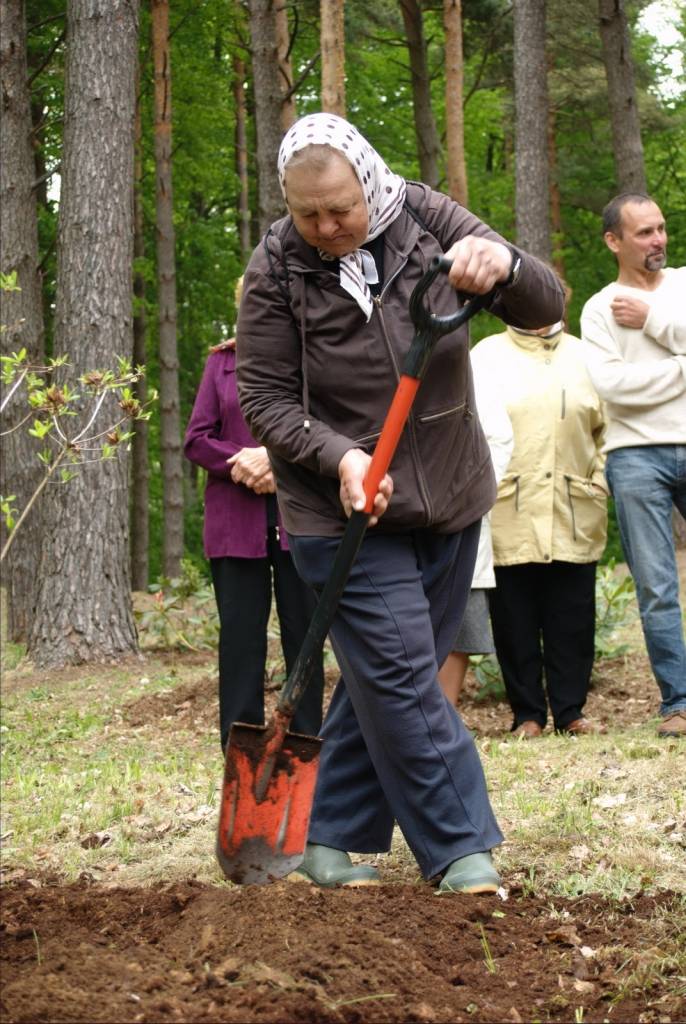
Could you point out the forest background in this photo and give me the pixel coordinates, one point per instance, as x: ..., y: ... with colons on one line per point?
x: 390, y: 61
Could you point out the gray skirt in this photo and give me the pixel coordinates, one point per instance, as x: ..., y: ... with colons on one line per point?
x: 474, y: 635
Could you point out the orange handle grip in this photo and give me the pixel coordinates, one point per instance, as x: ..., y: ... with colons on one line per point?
x: 396, y: 419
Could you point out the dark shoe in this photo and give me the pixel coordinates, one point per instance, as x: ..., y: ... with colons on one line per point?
x: 584, y: 727
x: 673, y: 725
x: 471, y: 874
x: 528, y: 731
x: 324, y: 866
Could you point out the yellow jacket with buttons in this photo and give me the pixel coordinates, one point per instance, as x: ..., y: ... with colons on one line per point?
x: 552, y: 501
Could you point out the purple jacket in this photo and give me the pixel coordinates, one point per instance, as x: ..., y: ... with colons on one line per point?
x: 235, y: 517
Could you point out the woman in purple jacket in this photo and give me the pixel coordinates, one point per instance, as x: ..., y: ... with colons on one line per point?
x: 247, y: 548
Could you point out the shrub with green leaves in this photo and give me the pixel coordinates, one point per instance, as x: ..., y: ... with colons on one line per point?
x: 182, y: 613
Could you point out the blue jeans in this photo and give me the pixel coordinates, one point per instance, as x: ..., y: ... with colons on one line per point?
x: 645, y: 482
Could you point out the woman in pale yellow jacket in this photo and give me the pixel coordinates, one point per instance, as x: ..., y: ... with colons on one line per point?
x: 549, y: 526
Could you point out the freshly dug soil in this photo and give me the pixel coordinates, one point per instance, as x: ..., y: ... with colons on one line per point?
x: 291, y: 953
x: 623, y: 693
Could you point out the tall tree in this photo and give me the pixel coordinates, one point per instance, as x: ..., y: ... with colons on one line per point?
x: 83, y: 610
x: 242, y: 157
x: 140, y: 465
x: 426, y: 133
x: 268, y: 102
x: 21, y: 311
x: 283, y: 49
x: 332, y: 37
x: 627, y: 146
x: 531, y: 128
x: 170, y: 411
x: 454, y: 101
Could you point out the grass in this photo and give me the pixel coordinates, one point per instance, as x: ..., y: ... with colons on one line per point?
x: 85, y: 791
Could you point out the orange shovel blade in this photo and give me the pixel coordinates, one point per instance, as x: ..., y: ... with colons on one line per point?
x: 261, y: 840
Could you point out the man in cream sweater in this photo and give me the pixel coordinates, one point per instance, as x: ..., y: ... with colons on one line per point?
x: 635, y: 329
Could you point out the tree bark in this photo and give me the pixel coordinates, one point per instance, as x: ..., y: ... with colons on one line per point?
x: 555, y: 202
x: 268, y: 101
x: 170, y: 410
x: 83, y: 610
x: 621, y: 90
x: 332, y: 42
x: 140, y: 468
x: 454, y: 101
x: 21, y: 312
x: 426, y: 133
x: 242, y: 158
x: 531, y: 128
x: 283, y: 45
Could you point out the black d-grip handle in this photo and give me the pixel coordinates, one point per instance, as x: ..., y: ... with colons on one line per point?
x: 429, y: 327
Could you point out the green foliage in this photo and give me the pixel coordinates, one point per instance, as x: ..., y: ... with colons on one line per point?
x: 489, y: 678
x: 615, y: 610
x: 182, y: 613
x: 206, y: 36
x: 51, y: 404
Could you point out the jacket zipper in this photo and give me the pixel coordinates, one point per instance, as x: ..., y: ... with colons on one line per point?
x: 410, y: 427
x: 430, y: 417
x: 564, y: 403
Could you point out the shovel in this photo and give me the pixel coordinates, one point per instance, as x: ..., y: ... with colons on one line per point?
x: 269, y: 772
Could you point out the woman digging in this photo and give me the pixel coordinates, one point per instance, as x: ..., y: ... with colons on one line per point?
x: 323, y: 327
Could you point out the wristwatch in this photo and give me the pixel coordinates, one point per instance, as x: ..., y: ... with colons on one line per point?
x: 515, y: 268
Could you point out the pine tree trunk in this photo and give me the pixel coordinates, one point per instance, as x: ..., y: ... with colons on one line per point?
x: 170, y: 415
x: 283, y: 46
x: 454, y: 101
x: 140, y: 468
x: 555, y: 203
x: 531, y: 128
x: 621, y: 90
x: 83, y: 610
x: 268, y: 101
x: 332, y: 44
x: 242, y: 158
x: 426, y: 133
x: 21, y: 312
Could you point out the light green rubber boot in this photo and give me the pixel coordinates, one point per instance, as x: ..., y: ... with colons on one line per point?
x: 326, y: 867
x: 471, y: 874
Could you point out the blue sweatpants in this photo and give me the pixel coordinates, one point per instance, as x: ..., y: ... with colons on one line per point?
x: 394, y: 748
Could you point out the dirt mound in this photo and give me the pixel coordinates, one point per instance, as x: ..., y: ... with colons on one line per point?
x: 191, y: 952
x: 623, y: 693
x: 192, y: 701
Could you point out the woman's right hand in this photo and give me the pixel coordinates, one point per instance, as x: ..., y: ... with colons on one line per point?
x: 352, y: 471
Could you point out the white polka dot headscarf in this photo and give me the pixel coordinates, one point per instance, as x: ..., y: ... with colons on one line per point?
x: 384, y: 192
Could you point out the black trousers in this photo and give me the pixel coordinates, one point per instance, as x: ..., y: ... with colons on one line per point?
x: 543, y: 618
x: 243, y: 589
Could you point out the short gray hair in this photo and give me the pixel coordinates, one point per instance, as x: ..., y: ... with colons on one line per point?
x: 612, y: 213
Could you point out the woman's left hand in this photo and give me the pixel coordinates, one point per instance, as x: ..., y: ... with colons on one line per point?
x: 251, y: 467
x: 478, y: 264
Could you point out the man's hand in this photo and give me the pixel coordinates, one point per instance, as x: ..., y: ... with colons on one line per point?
x: 251, y: 467
x: 478, y: 264
x: 352, y: 470
x: 629, y: 312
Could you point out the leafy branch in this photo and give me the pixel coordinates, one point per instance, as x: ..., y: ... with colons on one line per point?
x: 67, y: 419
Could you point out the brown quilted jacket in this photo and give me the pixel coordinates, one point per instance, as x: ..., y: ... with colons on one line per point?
x: 315, y: 379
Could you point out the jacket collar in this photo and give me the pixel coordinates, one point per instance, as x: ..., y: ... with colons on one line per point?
x: 533, y: 342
